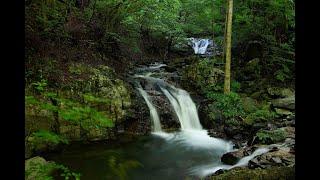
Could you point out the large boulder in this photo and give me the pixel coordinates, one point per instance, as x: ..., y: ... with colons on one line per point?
x: 105, y: 92
x: 231, y: 158
x: 284, y: 103
x: 273, y: 173
x: 251, y: 70
x: 280, y: 92
x: 38, y: 168
x: 182, y: 46
x: 280, y: 157
x: 283, y: 112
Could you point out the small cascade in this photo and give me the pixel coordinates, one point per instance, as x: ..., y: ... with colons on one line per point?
x: 200, y: 45
x: 203, y: 171
x: 184, y: 108
x: 153, y: 112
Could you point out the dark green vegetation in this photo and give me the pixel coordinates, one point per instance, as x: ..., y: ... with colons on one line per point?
x: 78, y: 55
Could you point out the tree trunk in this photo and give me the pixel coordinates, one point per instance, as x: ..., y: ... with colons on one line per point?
x: 225, y: 32
x: 56, y: 123
x: 213, y: 27
x: 228, y: 48
x: 213, y: 21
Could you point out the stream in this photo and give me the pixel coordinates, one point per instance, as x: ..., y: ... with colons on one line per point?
x: 188, y: 152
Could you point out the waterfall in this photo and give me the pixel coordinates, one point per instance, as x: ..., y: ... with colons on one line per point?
x: 184, y: 107
x: 200, y: 45
x: 153, y: 112
x: 192, y: 135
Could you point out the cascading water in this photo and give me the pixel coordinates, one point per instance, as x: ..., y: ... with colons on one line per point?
x: 203, y: 171
x: 189, y: 153
x: 184, y: 108
x: 200, y: 45
x: 153, y: 112
x: 192, y: 136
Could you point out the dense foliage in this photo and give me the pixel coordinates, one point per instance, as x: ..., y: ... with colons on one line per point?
x: 78, y: 53
x: 117, y: 28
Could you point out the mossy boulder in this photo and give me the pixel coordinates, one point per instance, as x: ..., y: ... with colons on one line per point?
x: 93, y: 89
x: 274, y: 173
x: 251, y: 70
x: 38, y: 168
x: 102, y: 83
x: 284, y: 103
x: 280, y: 92
x: 202, y: 75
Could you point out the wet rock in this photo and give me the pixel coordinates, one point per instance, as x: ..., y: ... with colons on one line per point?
x: 231, y: 158
x: 276, y: 160
x: 280, y: 157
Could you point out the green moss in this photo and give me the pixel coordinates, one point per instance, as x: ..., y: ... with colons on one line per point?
x: 43, y: 136
x: 203, y: 75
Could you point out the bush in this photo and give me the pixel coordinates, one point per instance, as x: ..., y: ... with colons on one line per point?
x: 229, y: 105
x: 235, y: 86
x: 269, y: 137
x: 259, y: 115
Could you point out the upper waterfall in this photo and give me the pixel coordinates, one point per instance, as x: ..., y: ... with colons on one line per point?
x: 200, y: 45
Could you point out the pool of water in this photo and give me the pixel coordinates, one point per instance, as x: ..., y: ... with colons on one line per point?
x: 157, y: 156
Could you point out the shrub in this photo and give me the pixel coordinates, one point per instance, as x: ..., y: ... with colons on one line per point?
x: 235, y: 86
x: 269, y: 137
x: 229, y: 105
x: 260, y: 115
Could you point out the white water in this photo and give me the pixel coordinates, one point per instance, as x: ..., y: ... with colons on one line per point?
x: 199, y: 45
x: 203, y: 171
x: 184, y: 108
x: 191, y: 136
x: 153, y: 112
